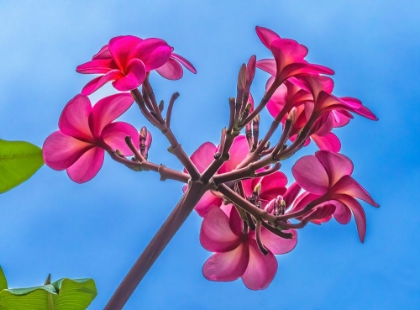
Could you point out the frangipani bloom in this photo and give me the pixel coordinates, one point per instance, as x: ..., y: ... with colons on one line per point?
x: 126, y: 60
x: 237, y: 253
x: 291, y: 95
x: 288, y: 57
x: 85, y: 132
x: 202, y: 158
x: 328, y: 175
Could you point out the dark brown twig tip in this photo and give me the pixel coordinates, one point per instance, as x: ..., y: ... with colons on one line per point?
x: 48, y: 279
x: 169, y: 111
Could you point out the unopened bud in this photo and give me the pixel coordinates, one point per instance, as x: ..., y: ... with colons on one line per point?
x: 161, y: 105
x: 279, y: 206
x: 242, y: 77
x: 257, y: 189
x: 250, y: 71
x: 246, y: 112
x: 292, y: 115
x: 145, y: 141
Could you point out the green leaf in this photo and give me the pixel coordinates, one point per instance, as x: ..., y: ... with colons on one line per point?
x: 74, y: 294
x: 19, y: 160
x: 64, y: 294
x: 3, y: 281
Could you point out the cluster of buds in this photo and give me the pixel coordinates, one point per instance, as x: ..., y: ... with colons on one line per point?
x: 250, y: 211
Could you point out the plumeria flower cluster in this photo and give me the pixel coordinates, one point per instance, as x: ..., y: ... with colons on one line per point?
x: 250, y: 210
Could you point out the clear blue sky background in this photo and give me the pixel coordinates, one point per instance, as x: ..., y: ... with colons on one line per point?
x: 52, y: 225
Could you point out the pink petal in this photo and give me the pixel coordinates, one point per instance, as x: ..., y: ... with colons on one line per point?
x: 87, y: 166
x: 342, y: 214
x: 216, y: 234
x: 358, y: 212
x: 235, y: 221
x: 249, y: 185
x: 318, y: 83
x: 311, y: 175
x: 299, y: 69
x: 206, y: 201
x: 98, y: 66
x: 267, y: 65
x: 361, y: 110
x: 203, y: 156
x: 237, y: 153
x: 278, y: 100
x: 291, y: 50
x: 266, y: 36
x: 303, y: 200
x: 321, y: 213
x: 329, y: 142
x: 114, y: 136
x: 291, y: 193
x: 281, y: 61
x: 327, y: 102
x: 121, y: 47
x: 61, y: 151
x: 227, y: 266
x: 136, y: 74
x: 103, y: 53
x: 172, y: 70
x: 341, y: 117
x: 323, y: 125
x: 347, y: 185
x: 276, y: 244
x: 261, y: 268
x: 273, y: 185
x: 336, y: 165
x: 184, y: 62
x: 153, y: 52
x: 74, y: 120
x: 100, y: 81
x: 107, y: 110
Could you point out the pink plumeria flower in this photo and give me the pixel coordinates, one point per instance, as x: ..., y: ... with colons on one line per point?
x: 294, y: 94
x: 126, y: 60
x: 172, y: 69
x: 85, y: 132
x: 237, y: 253
x: 202, y: 158
x: 328, y: 175
x: 288, y: 57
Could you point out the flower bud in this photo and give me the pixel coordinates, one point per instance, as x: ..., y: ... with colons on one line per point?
x: 145, y: 141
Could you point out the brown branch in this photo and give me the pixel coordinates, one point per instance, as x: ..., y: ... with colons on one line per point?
x: 175, y: 148
x: 144, y: 165
x: 156, y: 246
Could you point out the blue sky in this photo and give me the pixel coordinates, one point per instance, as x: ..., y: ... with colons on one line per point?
x: 52, y: 225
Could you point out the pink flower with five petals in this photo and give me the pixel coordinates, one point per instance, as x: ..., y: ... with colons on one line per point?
x: 126, y: 60
x: 85, y: 132
x: 288, y: 57
x: 328, y: 175
x: 237, y: 253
